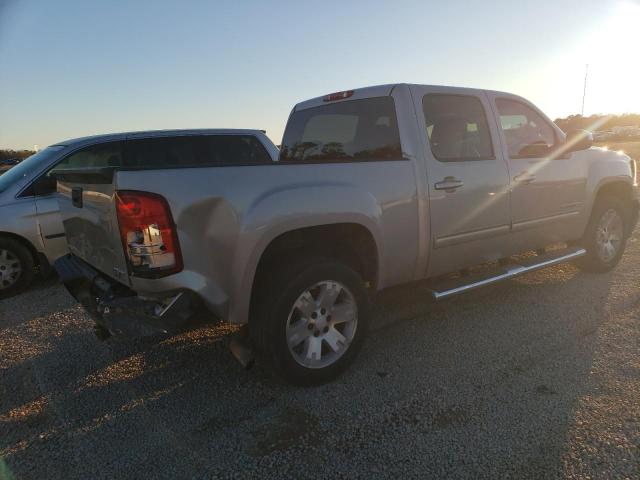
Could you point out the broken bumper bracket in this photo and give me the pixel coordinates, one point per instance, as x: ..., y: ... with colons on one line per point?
x: 119, y: 309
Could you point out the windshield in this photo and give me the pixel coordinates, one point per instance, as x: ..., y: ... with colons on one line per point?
x: 27, y: 167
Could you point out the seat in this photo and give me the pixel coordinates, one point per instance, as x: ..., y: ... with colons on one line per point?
x: 448, y: 137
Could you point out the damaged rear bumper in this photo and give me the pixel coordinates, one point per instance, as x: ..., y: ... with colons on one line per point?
x: 121, y: 310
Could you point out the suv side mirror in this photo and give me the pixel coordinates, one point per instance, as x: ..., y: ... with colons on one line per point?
x: 45, y: 185
x: 578, y: 140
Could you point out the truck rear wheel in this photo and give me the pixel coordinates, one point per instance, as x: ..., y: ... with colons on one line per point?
x: 313, y: 318
x: 605, y: 236
x: 16, y: 267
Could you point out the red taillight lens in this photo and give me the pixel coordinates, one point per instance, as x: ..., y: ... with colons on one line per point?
x: 148, y: 234
x: 337, y: 96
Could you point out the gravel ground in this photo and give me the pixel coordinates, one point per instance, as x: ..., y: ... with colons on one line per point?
x: 538, y: 377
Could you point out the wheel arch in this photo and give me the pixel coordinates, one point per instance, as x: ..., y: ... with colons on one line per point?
x: 348, y: 242
x: 26, y: 243
x: 620, y: 189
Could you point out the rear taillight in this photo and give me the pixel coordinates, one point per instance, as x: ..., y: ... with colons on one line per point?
x: 148, y: 234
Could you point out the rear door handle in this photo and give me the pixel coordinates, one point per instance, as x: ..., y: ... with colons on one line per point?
x: 449, y: 184
x: 524, y: 177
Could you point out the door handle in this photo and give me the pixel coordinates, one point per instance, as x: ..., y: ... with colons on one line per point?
x: 449, y: 184
x: 525, y: 177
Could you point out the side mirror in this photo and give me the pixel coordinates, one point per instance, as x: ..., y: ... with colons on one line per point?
x: 578, y: 140
x: 45, y: 185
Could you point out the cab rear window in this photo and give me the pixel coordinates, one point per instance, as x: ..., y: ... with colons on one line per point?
x: 355, y: 130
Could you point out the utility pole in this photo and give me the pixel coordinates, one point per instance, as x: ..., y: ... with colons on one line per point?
x: 584, y: 90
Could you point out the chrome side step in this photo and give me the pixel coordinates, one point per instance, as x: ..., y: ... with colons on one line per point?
x: 450, y: 287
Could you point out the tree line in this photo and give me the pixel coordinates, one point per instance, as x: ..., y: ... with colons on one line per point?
x: 597, y: 122
x: 21, y: 154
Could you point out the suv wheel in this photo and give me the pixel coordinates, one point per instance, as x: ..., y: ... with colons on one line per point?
x: 16, y: 267
x: 314, y: 317
x: 605, y: 237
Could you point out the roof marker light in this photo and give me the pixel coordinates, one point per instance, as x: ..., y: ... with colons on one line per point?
x: 338, y: 96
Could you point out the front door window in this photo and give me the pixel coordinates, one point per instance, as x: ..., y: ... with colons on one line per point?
x: 526, y: 133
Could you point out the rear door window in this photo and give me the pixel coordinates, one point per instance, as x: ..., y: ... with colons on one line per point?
x: 355, y: 130
x: 196, y: 151
x: 457, y: 128
x: 235, y: 150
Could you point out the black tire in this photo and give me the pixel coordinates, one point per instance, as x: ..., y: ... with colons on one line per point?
x: 593, y: 261
x: 18, y: 253
x: 274, y: 302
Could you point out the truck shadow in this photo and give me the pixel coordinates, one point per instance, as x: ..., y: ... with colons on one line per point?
x: 39, y: 283
x: 495, y: 375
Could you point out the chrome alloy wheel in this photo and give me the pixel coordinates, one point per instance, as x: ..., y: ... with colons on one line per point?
x: 10, y: 269
x: 609, y: 234
x: 322, y: 324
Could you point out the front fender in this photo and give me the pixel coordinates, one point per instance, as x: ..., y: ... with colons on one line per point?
x: 606, y: 167
x: 19, y: 218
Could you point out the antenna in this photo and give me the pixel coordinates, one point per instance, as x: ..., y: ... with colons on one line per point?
x: 584, y: 91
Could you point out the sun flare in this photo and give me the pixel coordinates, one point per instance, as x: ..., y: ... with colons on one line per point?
x: 612, y: 53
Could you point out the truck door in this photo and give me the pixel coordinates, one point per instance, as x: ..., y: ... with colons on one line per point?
x: 468, y: 178
x: 548, y: 189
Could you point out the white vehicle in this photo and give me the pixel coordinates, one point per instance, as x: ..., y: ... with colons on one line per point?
x: 31, y: 232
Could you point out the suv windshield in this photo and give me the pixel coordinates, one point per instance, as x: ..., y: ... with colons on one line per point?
x: 27, y: 167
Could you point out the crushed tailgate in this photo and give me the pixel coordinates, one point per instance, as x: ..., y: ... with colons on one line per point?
x: 86, y: 198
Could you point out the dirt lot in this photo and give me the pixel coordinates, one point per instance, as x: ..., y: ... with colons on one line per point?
x: 538, y: 377
x: 630, y: 148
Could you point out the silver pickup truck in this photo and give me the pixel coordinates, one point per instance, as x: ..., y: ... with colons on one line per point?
x: 371, y: 188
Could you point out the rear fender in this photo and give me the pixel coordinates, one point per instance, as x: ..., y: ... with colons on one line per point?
x: 292, y: 208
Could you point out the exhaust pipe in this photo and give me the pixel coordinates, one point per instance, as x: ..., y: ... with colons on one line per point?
x: 101, y: 332
x: 240, y: 347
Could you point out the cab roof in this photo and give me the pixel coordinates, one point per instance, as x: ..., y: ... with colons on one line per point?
x: 385, y: 90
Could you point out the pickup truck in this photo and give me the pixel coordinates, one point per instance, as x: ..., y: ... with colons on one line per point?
x: 371, y: 188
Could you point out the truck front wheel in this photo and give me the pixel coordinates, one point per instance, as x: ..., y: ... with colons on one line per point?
x: 605, y: 236
x: 313, y: 317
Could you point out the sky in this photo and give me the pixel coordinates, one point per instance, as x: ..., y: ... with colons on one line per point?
x: 73, y: 68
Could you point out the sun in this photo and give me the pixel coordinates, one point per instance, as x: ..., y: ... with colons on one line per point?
x: 612, y: 53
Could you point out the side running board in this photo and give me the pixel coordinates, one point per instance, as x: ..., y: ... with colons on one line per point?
x: 449, y: 287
